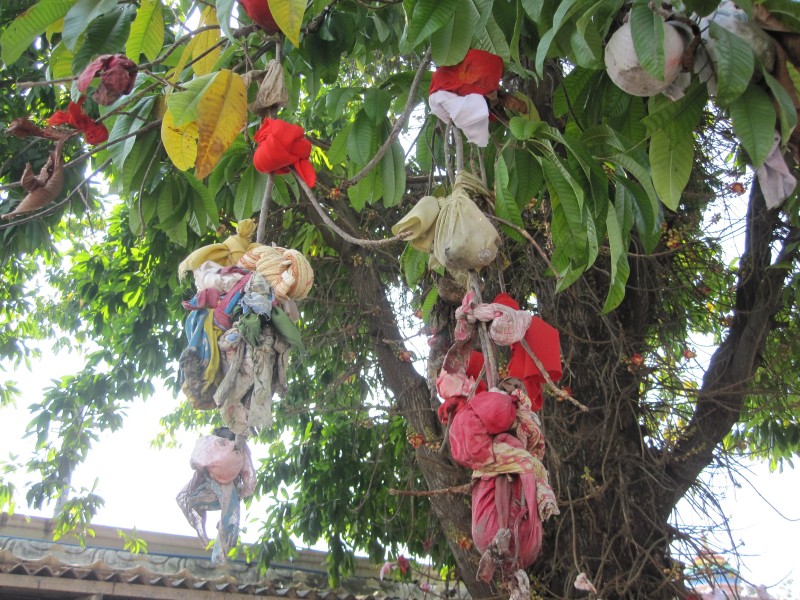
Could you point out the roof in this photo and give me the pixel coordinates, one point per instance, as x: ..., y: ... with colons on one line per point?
x: 34, y: 566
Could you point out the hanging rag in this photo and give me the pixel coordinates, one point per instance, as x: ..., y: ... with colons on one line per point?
x: 774, y: 176
x: 199, y: 362
x: 419, y: 223
x: 478, y: 73
x: 215, y: 486
x: 469, y: 113
x: 226, y: 253
x: 211, y: 275
x: 282, y: 145
x: 464, y: 238
x: 458, y: 93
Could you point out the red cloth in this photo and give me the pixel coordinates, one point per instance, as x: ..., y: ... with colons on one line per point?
x: 503, y: 502
x: 282, y: 145
x: 478, y: 73
x: 117, y: 75
x: 259, y: 11
x: 94, y: 132
x: 544, y: 341
x: 474, y: 426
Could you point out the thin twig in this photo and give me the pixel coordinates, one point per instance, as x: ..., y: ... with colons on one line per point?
x: 336, y: 229
x: 528, y: 237
x: 261, y: 233
x: 551, y: 387
x: 398, y: 125
x: 483, y: 334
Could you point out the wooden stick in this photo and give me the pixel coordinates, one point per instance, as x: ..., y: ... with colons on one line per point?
x: 551, y: 387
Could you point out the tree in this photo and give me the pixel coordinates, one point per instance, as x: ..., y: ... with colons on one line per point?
x: 604, y: 201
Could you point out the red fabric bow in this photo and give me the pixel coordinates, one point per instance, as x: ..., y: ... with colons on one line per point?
x: 117, y: 75
x: 282, y: 145
x: 94, y: 132
x: 259, y: 11
x: 478, y: 73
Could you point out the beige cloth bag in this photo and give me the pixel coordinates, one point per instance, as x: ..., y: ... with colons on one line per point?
x: 420, y: 221
x: 464, y: 237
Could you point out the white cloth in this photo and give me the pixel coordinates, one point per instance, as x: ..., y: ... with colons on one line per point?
x: 469, y: 113
x: 776, y: 180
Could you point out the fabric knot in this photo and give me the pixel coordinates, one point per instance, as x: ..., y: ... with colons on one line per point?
x: 282, y: 145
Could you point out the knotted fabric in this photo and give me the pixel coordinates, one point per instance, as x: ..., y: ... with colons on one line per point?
x: 282, y: 145
x: 478, y: 73
x: 94, y: 132
x: 226, y: 253
x: 287, y: 270
x: 506, y: 325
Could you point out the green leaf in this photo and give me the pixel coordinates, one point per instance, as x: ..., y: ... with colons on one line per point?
x: 61, y: 62
x: 671, y: 160
x: 786, y: 11
x: 680, y: 115
x: 80, y: 16
x: 429, y: 302
x: 753, y: 117
x: 735, y: 63
x: 183, y: 105
x: 492, y: 39
x: 224, y: 14
x: 125, y: 124
x: 376, y: 104
x: 533, y: 8
x: 29, y: 25
x: 620, y: 269
x: 428, y: 17
x: 787, y: 114
x: 106, y: 35
x: 414, y: 264
x: 567, y: 198
x: 449, y: 44
x: 337, y: 153
x: 563, y: 13
x: 337, y: 99
x: 362, y: 141
x: 243, y: 197
x: 393, y: 171
x: 647, y: 31
x: 505, y: 207
x: 524, y: 128
x: 208, y: 203
x: 147, y: 32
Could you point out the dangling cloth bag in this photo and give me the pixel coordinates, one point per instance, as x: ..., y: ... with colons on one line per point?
x: 420, y: 223
x: 464, y: 238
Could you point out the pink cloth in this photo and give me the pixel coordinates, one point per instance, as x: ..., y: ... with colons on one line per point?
x: 501, y: 502
x: 218, y: 457
x: 473, y: 428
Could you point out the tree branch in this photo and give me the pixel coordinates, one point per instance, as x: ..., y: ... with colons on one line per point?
x: 725, y: 384
x: 399, y: 124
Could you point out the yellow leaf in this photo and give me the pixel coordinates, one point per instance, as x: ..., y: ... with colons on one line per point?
x: 221, y: 115
x: 203, y: 54
x: 288, y: 14
x: 179, y: 142
x: 187, y: 52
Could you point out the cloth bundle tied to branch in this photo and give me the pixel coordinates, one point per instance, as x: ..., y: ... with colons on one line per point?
x: 226, y: 253
x: 223, y: 474
x: 287, y: 270
x: 497, y: 434
x: 458, y: 93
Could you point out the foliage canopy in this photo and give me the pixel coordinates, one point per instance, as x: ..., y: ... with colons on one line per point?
x: 614, y: 211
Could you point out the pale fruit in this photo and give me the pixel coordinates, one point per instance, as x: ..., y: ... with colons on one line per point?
x: 625, y: 70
